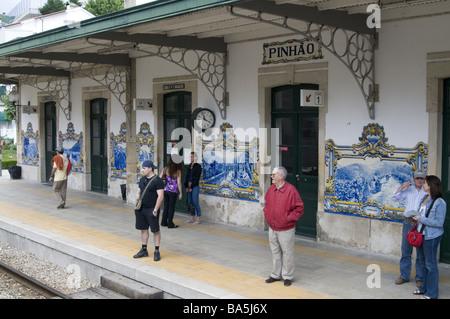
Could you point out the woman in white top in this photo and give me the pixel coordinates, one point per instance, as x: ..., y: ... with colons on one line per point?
x: 432, y: 228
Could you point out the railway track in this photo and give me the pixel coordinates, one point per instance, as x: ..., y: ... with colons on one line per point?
x: 31, y: 283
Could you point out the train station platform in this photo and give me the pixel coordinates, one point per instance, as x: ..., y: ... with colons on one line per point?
x: 209, y: 260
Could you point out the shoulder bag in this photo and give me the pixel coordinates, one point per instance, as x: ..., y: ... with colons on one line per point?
x: 414, y: 237
x: 138, y: 204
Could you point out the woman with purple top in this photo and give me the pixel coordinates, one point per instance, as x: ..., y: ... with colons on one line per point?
x: 172, y: 177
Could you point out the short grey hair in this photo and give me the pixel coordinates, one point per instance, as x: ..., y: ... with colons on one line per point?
x: 282, y: 171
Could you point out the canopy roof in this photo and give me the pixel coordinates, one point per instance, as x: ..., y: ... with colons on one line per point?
x: 204, y: 25
x: 157, y: 27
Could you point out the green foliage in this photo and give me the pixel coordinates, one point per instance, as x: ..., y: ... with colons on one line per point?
x: 10, y: 108
x: 52, y: 6
x: 9, y: 153
x: 9, y: 146
x: 6, y: 19
x: 56, y: 5
x: 100, y: 7
x: 8, y: 162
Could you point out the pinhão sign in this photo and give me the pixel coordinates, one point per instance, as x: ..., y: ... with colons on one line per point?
x: 291, y: 51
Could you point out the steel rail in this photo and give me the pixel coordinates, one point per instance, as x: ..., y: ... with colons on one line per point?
x: 31, y: 283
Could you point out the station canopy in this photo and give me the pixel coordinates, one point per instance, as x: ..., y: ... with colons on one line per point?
x: 161, y: 28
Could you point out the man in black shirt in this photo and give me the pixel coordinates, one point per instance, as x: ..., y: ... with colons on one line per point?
x: 148, y: 215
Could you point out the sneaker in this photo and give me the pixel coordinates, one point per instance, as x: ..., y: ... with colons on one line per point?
x: 156, y: 256
x: 400, y: 281
x: 141, y: 253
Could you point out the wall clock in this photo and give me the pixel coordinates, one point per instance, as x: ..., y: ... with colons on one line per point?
x: 203, y: 119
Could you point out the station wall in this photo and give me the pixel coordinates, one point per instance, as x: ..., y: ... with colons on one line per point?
x: 401, y: 72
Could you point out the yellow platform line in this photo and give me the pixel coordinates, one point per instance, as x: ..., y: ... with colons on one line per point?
x: 219, y: 276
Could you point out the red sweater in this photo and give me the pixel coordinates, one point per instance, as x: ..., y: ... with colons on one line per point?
x: 283, y: 207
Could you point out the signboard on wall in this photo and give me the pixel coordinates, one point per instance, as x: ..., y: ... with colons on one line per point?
x: 311, y: 98
x: 291, y: 51
x: 30, y: 109
x: 143, y: 104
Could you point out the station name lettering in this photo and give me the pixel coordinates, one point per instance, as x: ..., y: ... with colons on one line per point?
x: 291, y: 51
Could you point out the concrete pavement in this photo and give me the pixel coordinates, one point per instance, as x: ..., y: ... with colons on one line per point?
x: 210, y: 260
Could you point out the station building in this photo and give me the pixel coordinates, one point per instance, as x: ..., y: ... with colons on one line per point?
x: 349, y: 96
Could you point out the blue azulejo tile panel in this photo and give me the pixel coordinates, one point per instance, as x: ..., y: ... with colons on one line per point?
x: 119, y: 153
x: 30, y: 146
x: 145, y: 145
x: 229, y: 166
x: 72, y: 144
x: 362, y: 177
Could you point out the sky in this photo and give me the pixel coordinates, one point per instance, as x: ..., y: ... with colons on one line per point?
x: 7, y: 5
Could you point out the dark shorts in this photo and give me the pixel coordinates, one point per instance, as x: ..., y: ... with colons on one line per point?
x: 145, y: 219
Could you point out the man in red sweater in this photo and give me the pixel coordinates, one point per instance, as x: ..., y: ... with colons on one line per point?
x: 283, y: 209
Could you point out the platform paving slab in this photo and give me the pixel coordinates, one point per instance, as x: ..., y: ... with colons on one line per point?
x: 210, y: 260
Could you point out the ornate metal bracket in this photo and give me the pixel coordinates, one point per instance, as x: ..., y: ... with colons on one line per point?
x: 209, y: 67
x: 57, y: 89
x: 357, y: 53
x: 114, y: 78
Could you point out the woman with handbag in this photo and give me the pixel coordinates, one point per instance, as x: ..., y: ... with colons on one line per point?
x: 193, y: 188
x: 432, y: 229
x: 171, y: 175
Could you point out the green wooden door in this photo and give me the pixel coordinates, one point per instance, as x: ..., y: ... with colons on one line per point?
x: 177, y: 114
x: 297, y: 149
x: 50, y: 136
x: 445, y: 241
x: 99, y: 164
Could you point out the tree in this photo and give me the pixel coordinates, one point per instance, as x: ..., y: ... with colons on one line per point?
x: 56, y: 5
x: 10, y: 108
x: 99, y: 7
x: 6, y: 19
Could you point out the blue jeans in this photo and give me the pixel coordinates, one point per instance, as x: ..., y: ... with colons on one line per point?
x: 193, y: 200
x: 405, y: 260
x: 430, y: 284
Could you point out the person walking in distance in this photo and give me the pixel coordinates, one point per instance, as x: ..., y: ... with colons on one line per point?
x: 148, y: 214
x: 282, y: 210
x: 412, y: 196
x: 59, y: 176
